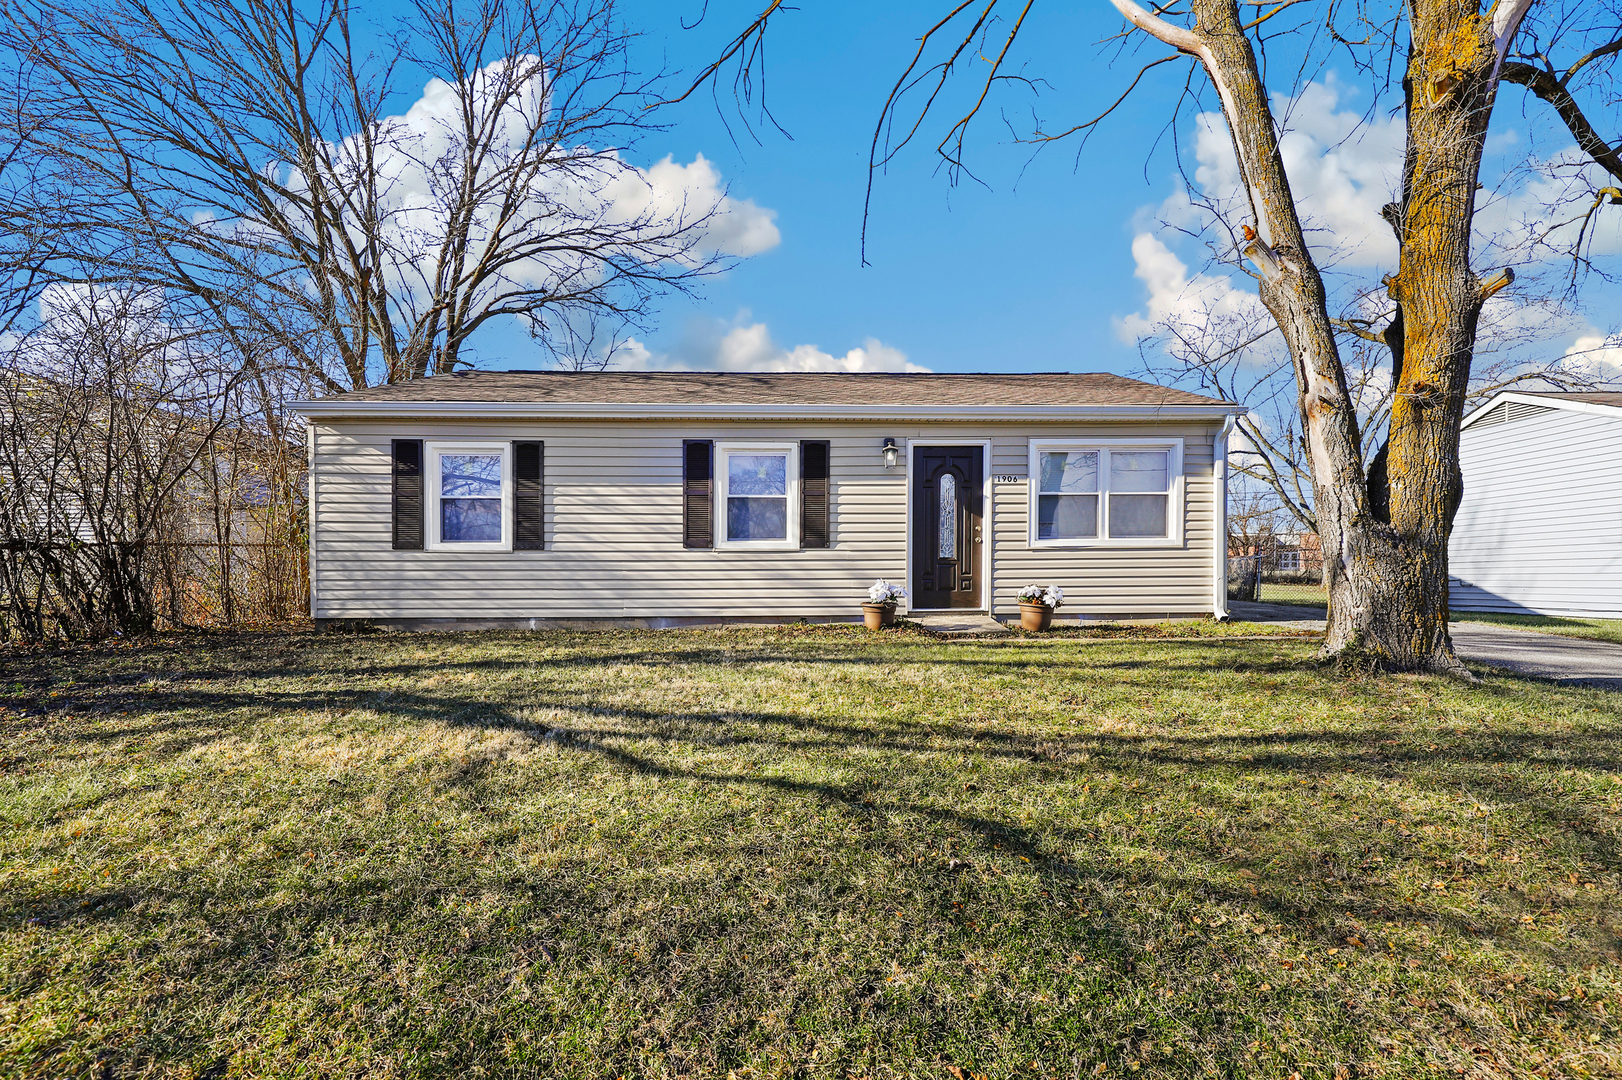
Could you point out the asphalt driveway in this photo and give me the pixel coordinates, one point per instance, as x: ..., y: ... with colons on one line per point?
x: 1525, y: 652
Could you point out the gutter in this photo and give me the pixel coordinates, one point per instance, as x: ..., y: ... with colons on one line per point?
x: 309, y: 450
x: 1219, y: 534
x: 337, y: 407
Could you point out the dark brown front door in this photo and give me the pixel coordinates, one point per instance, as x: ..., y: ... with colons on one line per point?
x: 947, y: 498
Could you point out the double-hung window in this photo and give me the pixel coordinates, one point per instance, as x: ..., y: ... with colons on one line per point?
x: 1119, y: 493
x: 470, y: 487
x: 758, y: 495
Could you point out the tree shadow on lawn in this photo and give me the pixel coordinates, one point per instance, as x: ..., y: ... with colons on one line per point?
x: 340, y: 656
x: 1316, y: 869
x: 1387, y: 749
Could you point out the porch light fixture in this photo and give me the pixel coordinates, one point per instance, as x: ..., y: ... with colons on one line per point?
x: 891, y: 452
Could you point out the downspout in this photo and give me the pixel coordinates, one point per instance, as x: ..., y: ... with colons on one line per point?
x: 309, y: 451
x: 1219, y: 533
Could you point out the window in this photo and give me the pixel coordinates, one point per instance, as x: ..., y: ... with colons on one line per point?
x: 1289, y: 562
x: 1068, y: 495
x: 470, y: 496
x: 1123, y: 492
x: 759, y: 494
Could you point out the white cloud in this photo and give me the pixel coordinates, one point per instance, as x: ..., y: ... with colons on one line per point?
x: 749, y: 347
x: 669, y: 189
x: 1540, y: 209
x: 1596, y: 356
x: 1342, y: 167
x: 609, y: 206
x: 1175, y: 298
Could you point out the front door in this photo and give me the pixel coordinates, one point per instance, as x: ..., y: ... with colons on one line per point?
x: 947, y: 497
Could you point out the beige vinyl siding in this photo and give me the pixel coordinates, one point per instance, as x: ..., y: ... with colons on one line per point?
x: 614, y: 529
x: 1108, y: 580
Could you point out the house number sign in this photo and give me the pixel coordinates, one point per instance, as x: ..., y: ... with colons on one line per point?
x: 1006, y: 478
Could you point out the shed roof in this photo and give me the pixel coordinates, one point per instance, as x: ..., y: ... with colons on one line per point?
x: 779, y: 388
x: 1588, y: 397
x: 1597, y: 402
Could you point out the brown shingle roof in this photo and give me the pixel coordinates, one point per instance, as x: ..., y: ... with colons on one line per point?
x: 1591, y: 397
x: 777, y: 388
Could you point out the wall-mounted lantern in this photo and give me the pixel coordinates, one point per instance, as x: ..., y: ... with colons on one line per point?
x: 891, y: 452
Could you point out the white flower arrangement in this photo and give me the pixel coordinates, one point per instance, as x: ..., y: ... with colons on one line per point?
x: 1051, y: 595
x: 883, y: 592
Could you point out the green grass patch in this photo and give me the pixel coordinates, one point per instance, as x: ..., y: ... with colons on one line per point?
x: 797, y: 852
x: 1593, y: 629
x: 1271, y: 592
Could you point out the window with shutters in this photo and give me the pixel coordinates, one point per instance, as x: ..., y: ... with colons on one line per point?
x: 470, y: 495
x: 1119, y: 493
x: 757, y: 489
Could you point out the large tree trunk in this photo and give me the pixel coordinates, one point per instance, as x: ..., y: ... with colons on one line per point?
x: 1415, y: 490
x: 1384, y: 537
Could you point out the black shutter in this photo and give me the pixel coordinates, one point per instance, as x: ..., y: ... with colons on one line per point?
x: 814, y: 493
x: 697, y: 517
x: 529, y: 496
x: 407, y: 494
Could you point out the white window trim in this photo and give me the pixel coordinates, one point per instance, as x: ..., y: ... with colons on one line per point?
x: 1174, y: 494
x: 432, y: 451
x: 722, y: 450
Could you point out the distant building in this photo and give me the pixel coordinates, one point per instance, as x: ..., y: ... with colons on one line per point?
x: 1540, y: 527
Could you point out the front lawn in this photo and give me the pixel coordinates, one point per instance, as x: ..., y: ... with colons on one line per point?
x: 1593, y: 629
x: 797, y: 852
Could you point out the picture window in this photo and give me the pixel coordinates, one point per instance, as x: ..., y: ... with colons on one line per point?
x: 1116, y: 493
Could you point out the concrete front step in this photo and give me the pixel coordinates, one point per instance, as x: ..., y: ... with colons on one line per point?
x: 964, y: 624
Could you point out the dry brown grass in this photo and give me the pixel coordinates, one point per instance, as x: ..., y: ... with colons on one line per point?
x: 797, y: 852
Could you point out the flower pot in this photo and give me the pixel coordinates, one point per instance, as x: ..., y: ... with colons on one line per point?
x: 1034, y: 617
x: 878, y: 615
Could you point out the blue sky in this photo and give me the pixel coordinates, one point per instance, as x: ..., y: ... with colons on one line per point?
x: 1023, y: 273
x: 1050, y: 262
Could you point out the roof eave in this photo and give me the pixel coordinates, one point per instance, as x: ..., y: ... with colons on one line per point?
x: 338, y: 408
x: 1545, y: 400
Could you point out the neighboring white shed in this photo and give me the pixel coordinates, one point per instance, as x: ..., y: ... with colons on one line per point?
x: 1540, y: 528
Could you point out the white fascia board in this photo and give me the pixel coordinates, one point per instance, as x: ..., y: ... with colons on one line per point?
x: 1539, y: 399
x: 338, y: 408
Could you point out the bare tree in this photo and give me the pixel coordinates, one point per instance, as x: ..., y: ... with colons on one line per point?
x: 1384, y: 522
x: 106, y: 410
x: 240, y: 157
x: 243, y: 209
x: 1238, y: 355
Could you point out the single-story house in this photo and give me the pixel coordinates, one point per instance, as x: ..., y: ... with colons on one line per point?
x: 1539, y: 530
x: 660, y: 499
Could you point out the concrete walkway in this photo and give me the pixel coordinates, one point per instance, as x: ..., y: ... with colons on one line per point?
x: 1524, y: 652
x: 967, y: 624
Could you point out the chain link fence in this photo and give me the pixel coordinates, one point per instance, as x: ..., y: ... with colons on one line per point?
x: 1278, y: 575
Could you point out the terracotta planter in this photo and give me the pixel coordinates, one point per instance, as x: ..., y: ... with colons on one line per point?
x: 878, y: 615
x: 1034, y: 617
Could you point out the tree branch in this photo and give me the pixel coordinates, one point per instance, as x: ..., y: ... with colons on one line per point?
x: 1553, y: 91
x: 1363, y: 332
x: 756, y: 29
x: 1506, y: 22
